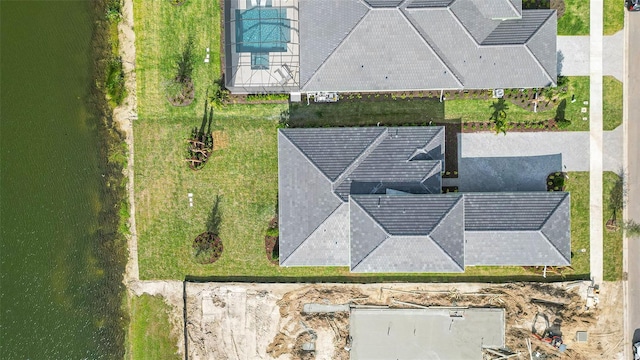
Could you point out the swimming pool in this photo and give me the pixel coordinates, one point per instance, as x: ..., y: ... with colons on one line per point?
x: 262, y: 30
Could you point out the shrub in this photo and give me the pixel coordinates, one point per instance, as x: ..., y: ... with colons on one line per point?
x: 114, y: 10
x: 115, y: 80
x: 219, y: 95
x: 207, y: 248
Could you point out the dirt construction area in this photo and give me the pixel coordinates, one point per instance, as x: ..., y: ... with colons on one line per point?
x: 267, y: 321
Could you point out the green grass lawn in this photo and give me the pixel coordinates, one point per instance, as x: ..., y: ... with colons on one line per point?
x: 243, y: 172
x: 611, y: 103
x: 480, y: 110
x: 385, y: 111
x: 613, y: 16
x: 575, y: 20
x: 612, y: 239
x: 162, y: 30
x: 149, y: 336
x: 578, y: 186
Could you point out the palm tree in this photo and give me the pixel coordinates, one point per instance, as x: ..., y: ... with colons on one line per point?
x: 499, y: 115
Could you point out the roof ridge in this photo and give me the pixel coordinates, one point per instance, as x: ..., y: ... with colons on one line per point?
x: 565, y: 194
x: 457, y: 19
x: 553, y: 245
x: 304, y: 155
x: 429, y: 174
x: 456, y: 74
x: 376, y: 223
x: 359, y: 159
x: 460, y: 198
x: 314, y: 230
x: 542, y: 24
x: 430, y: 145
x: 513, y: 7
x: 526, y: 45
x: 344, y: 39
x: 402, y: 236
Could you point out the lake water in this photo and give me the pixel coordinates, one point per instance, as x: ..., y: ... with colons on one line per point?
x: 57, y: 297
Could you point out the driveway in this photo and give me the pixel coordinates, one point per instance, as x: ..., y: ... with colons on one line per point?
x: 573, y: 55
x: 520, y: 161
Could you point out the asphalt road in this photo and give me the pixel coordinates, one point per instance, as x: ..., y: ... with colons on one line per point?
x: 633, y: 167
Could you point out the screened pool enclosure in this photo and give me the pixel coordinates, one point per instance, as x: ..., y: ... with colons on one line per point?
x: 261, y: 46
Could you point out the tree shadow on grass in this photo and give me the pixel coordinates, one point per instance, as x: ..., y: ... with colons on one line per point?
x: 215, y: 217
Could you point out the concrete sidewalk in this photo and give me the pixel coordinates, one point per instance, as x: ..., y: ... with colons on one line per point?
x: 573, y: 55
x: 596, y: 140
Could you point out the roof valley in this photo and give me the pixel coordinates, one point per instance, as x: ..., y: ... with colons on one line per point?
x: 344, y: 40
x: 431, y: 44
x: 358, y: 160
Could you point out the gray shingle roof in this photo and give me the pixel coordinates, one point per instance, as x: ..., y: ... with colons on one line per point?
x: 408, y: 215
x: 328, y: 216
x: 424, y: 233
x: 478, y: 26
x: 302, y: 180
x: 500, y: 248
x: 323, y: 26
x: 518, y: 229
x: 519, y: 31
x: 383, y: 3
x: 499, y: 9
x: 332, y: 150
x: 510, y: 211
x: 427, y: 3
x: 483, y: 66
x: 313, y: 163
x: 543, y: 48
x: 389, y: 162
x: 383, y: 52
x: 328, y: 245
x: 424, y: 44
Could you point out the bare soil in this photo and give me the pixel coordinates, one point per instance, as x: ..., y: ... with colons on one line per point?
x: 265, y: 321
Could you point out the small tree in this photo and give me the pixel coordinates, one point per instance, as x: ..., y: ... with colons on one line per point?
x: 185, y: 62
x: 632, y: 228
x: 617, y: 197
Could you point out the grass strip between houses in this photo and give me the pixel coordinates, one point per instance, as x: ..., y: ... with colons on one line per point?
x: 612, y: 240
x: 150, y: 336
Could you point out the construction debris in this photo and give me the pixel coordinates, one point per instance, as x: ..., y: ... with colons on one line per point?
x: 294, y: 321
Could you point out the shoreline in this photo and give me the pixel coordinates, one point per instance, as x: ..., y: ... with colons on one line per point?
x: 123, y: 116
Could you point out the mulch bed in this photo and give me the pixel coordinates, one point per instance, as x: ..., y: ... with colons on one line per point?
x: 451, y: 131
x: 480, y: 126
x: 185, y: 97
x: 449, y: 189
x: 207, y: 248
x: 390, y: 95
x: 242, y: 99
x: 271, y: 243
x: 555, y: 181
x: 271, y: 246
